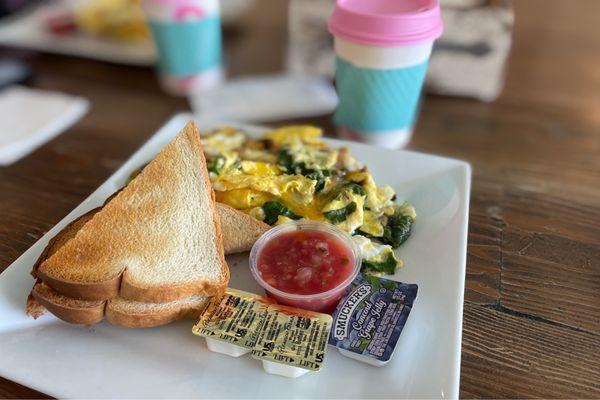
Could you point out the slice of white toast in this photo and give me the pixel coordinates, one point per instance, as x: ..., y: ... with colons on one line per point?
x: 158, y: 240
x: 240, y: 231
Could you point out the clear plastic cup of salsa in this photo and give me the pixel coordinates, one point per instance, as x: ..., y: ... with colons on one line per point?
x: 305, y: 264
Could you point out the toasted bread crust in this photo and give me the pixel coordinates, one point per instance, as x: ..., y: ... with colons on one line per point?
x: 233, y: 241
x: 210, y: 289
x: 117, y: 317
x: 33, y: 308
x: 99, y: 291
x: 119, y: 284
x: 75, y: 315
x: 66, y: 234
x: 82, y: 290
x: 85, y: 291
x: 141, y: 321
x: 93, y: 312
x: 166, y: 294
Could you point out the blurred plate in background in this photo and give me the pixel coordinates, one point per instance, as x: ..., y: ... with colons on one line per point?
x: 28, y: 30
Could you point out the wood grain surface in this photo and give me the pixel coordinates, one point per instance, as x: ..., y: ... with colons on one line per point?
x: 532, y: 304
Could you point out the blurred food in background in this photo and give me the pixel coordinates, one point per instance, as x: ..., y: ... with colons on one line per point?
x: 109, y: 19
x: 117, y: 19
x: 108, y: 30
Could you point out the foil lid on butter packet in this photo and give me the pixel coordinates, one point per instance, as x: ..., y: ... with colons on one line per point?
x: 370, y: 317
x: 236, y: 317
x: 293, y: 337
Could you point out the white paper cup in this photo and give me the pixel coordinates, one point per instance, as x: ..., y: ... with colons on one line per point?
x: 382, y: 53
x: 379, y: 90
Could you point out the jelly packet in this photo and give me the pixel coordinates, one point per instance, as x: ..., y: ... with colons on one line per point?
x: 292, y: 341
x: 230, y: 323
x: 369, y: 319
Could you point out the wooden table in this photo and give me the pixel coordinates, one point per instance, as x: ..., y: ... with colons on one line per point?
x: 532, y: 308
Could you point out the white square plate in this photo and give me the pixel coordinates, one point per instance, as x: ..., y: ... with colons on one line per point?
x: 65, y: 360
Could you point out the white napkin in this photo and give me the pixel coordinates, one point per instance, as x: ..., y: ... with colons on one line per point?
x: 30, y: 117
x: 266, y: 98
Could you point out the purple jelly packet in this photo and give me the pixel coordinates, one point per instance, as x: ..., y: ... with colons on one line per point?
x: 369, y: 319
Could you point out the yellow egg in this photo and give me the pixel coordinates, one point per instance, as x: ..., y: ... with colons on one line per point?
x: 223, y: 140
x: 309, y: 211
x: 243, y: 198
x: 314, y: 158
x: 260, y: 168
x: 282, y: 219
x: 256, y: 212
x: 354, y: 220
x: 371, y: 224
x: 293, y: 188
x: 230, y: 165
x: 248, y: 153
x: 114, y: 19
x: 374, y: 252
x: 296, y: 134
x: 377, y: 198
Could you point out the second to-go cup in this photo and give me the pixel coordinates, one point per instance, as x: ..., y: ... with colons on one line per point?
x: 382, y: 52
x: 187, y: 35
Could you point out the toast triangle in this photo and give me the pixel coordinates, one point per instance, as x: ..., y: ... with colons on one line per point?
x: 157, y: 240
x: 240, y: 231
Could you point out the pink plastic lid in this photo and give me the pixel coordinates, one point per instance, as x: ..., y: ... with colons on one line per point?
x: 386, y: 22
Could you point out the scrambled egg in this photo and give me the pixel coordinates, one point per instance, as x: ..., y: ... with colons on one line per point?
x: 290, y: 173
x: 291, y: 188
x: 289, y: 135
x: 377, y: 198
x: 378, y: 259
x: 227, y: 140
x: 355, y: 215
x: 372, y: 224
x: 260, y: 168
x: 243, y: 198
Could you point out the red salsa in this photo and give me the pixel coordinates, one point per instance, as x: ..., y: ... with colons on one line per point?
x: 305, y: 262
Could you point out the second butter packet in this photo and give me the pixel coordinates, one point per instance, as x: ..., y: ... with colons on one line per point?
x: 292, y: 341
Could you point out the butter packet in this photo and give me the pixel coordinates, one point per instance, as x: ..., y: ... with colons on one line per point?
x: 369, y: 319
x: 230, y: 323
x: 292, y: 341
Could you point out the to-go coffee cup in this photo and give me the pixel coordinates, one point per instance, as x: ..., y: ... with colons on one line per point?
x: 187, y: 34
x: 382, y: 51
